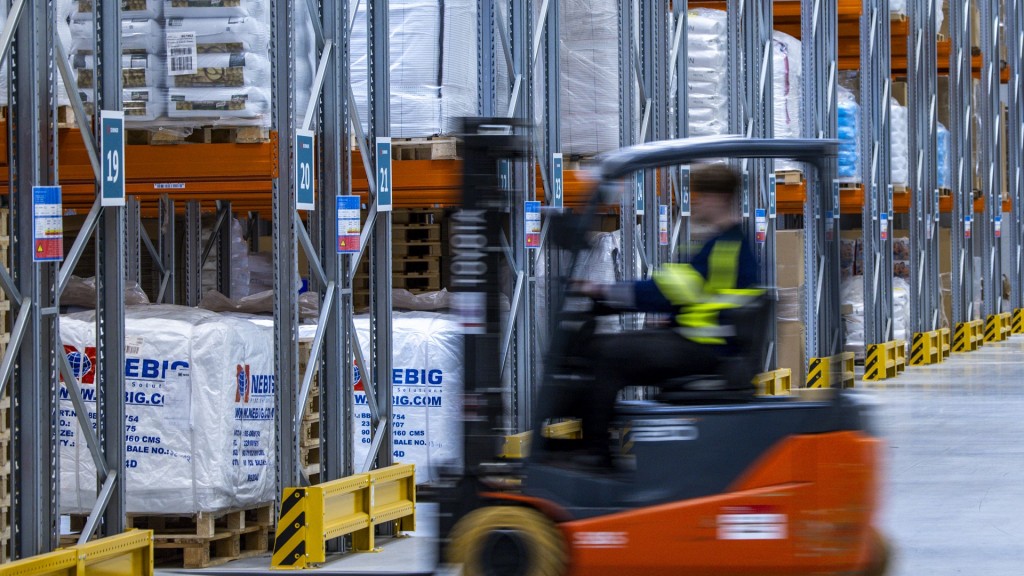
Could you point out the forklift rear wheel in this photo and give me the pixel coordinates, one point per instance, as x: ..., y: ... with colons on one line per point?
x: 507, y: 541
x: 879, y: 555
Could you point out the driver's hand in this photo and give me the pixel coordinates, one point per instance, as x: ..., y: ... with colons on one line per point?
x: 588, y: 289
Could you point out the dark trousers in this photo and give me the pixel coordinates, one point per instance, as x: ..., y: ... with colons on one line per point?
x: 641, y: 358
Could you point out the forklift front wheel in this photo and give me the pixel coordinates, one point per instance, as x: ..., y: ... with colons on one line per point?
x: 507, y: 541
x: 880, y: 555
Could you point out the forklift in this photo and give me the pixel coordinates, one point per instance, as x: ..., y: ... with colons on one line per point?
x: 719, y: 482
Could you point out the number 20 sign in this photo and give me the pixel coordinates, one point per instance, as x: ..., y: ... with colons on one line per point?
x: 304, y: 181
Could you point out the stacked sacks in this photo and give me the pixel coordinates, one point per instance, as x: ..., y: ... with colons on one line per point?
x: 589, y: 72
x: 849, y: 136
x: 707, y: 72
x: 199, y: 389
x: 218, y: 67
x: 787, y: 90
x: 63, y: 10
x: 143, y: 67
x: 433, y: 65
x: 899, y: 144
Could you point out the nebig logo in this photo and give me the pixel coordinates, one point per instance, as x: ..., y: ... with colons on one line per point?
x: 83, y: 365
x: 242, y: 384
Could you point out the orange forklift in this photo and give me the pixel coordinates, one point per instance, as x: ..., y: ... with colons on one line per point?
x: 713, y: 480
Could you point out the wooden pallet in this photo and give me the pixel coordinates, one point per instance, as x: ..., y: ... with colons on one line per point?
x: 417, y: 282
x: 432, y: 148
x: 65, y: 116
x: 428, y: 265
x: 849, y: 185
x: 945, y: 192
x: 204, y: 135
x: 417, y: 216
x: 310, y: 435
x: 417, y: 249
x: 209, y: 538
x: 899, y: 189
x: 411, y: 233
x: 789, y: 177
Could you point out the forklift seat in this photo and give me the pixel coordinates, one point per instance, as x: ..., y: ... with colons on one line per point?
x: 734, y: 381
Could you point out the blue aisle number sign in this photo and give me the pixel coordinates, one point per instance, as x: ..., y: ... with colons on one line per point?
x: 305, y: 187
x: 638, y: 184
x: 383, y: 174
x: 556, y: 181
x: 112, y: 160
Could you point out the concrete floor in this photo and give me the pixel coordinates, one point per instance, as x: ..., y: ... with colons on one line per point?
x: 954, y: 498
x: 953, y: 502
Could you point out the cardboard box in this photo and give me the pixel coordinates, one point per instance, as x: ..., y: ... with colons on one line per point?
x: 790, y: 350
x: 789, y: 258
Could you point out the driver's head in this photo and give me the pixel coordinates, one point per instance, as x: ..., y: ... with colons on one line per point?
x: 714, y: 188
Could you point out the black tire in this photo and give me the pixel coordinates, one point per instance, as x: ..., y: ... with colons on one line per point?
x: 507, y: 541
x: 880, y: 554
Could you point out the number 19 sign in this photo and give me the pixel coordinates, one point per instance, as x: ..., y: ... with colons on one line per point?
x: 305, y: 193
x: 112, y: 159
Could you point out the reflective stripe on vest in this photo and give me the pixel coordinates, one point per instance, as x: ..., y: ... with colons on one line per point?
x: 701, y: 301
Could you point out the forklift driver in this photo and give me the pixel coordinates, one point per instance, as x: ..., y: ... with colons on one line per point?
x: 721, y: 276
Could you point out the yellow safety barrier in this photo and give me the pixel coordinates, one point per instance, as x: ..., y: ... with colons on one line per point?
x: 901, y: 355
x: 926, y: 348
x: 944, y: 342
x: 1017, y: 326
x: 1006, y: 324
x: 518, y: 445
x: 354, y: 505
x: 774, y: 383
x: 824, y: 372
x: 998, y: 327
x: 882, y: 360
x: 128, y: 554
x: 967, y: 337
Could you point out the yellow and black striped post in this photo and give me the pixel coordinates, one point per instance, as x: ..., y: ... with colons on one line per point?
x: 874, y: 362
x: 819, y: 372
x: 290, y: 538
x: 962, y: 338
x: 1018, y: 321
x: 993, y: 328
x: 919, y: 349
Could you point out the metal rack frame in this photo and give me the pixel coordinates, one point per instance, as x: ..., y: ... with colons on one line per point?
x: 961, y: 175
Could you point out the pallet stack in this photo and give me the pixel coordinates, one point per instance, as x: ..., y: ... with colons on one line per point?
x: 416, y: 248
x: 309, y: 441
x: 5, y: 404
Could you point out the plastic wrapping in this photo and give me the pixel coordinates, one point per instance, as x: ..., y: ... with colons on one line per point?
x: 942, y: 156
x: 227, y: 35
x: 138, y: 36
x: 137, y: 70
x: 147, y: 9
x: 233, y: 106
x: 589, y: 72
x: 215, y: 8
x: 707, y: 80
x: 140, y: 104
x: 433, y: 75
x: 200, y: 412
x: 62, y: 11
x: 899, y: 148
x: 849, y: 136
x: 790, y: 307
x: 226, y: 71
x: 81, y: 292
x: 787, y: 90
x: 852, y: 298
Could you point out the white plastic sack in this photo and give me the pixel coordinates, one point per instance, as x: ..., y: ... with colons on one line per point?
x: 220, y: 105
x: 137, y: 36
x: 219, y: 70
x: 141, y: 105
x: 137, y: 70
x: 708, y: 98
x: 215, y: 8
x: 148, y: 9
x: 589, y: 71
x: 200, y: 412
x: 225, y: 34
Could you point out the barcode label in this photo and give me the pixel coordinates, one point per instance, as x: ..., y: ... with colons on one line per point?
x: 132, y: 345
x: 181, y: 53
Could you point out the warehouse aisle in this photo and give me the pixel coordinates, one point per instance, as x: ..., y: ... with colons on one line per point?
x: 955, y: 445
